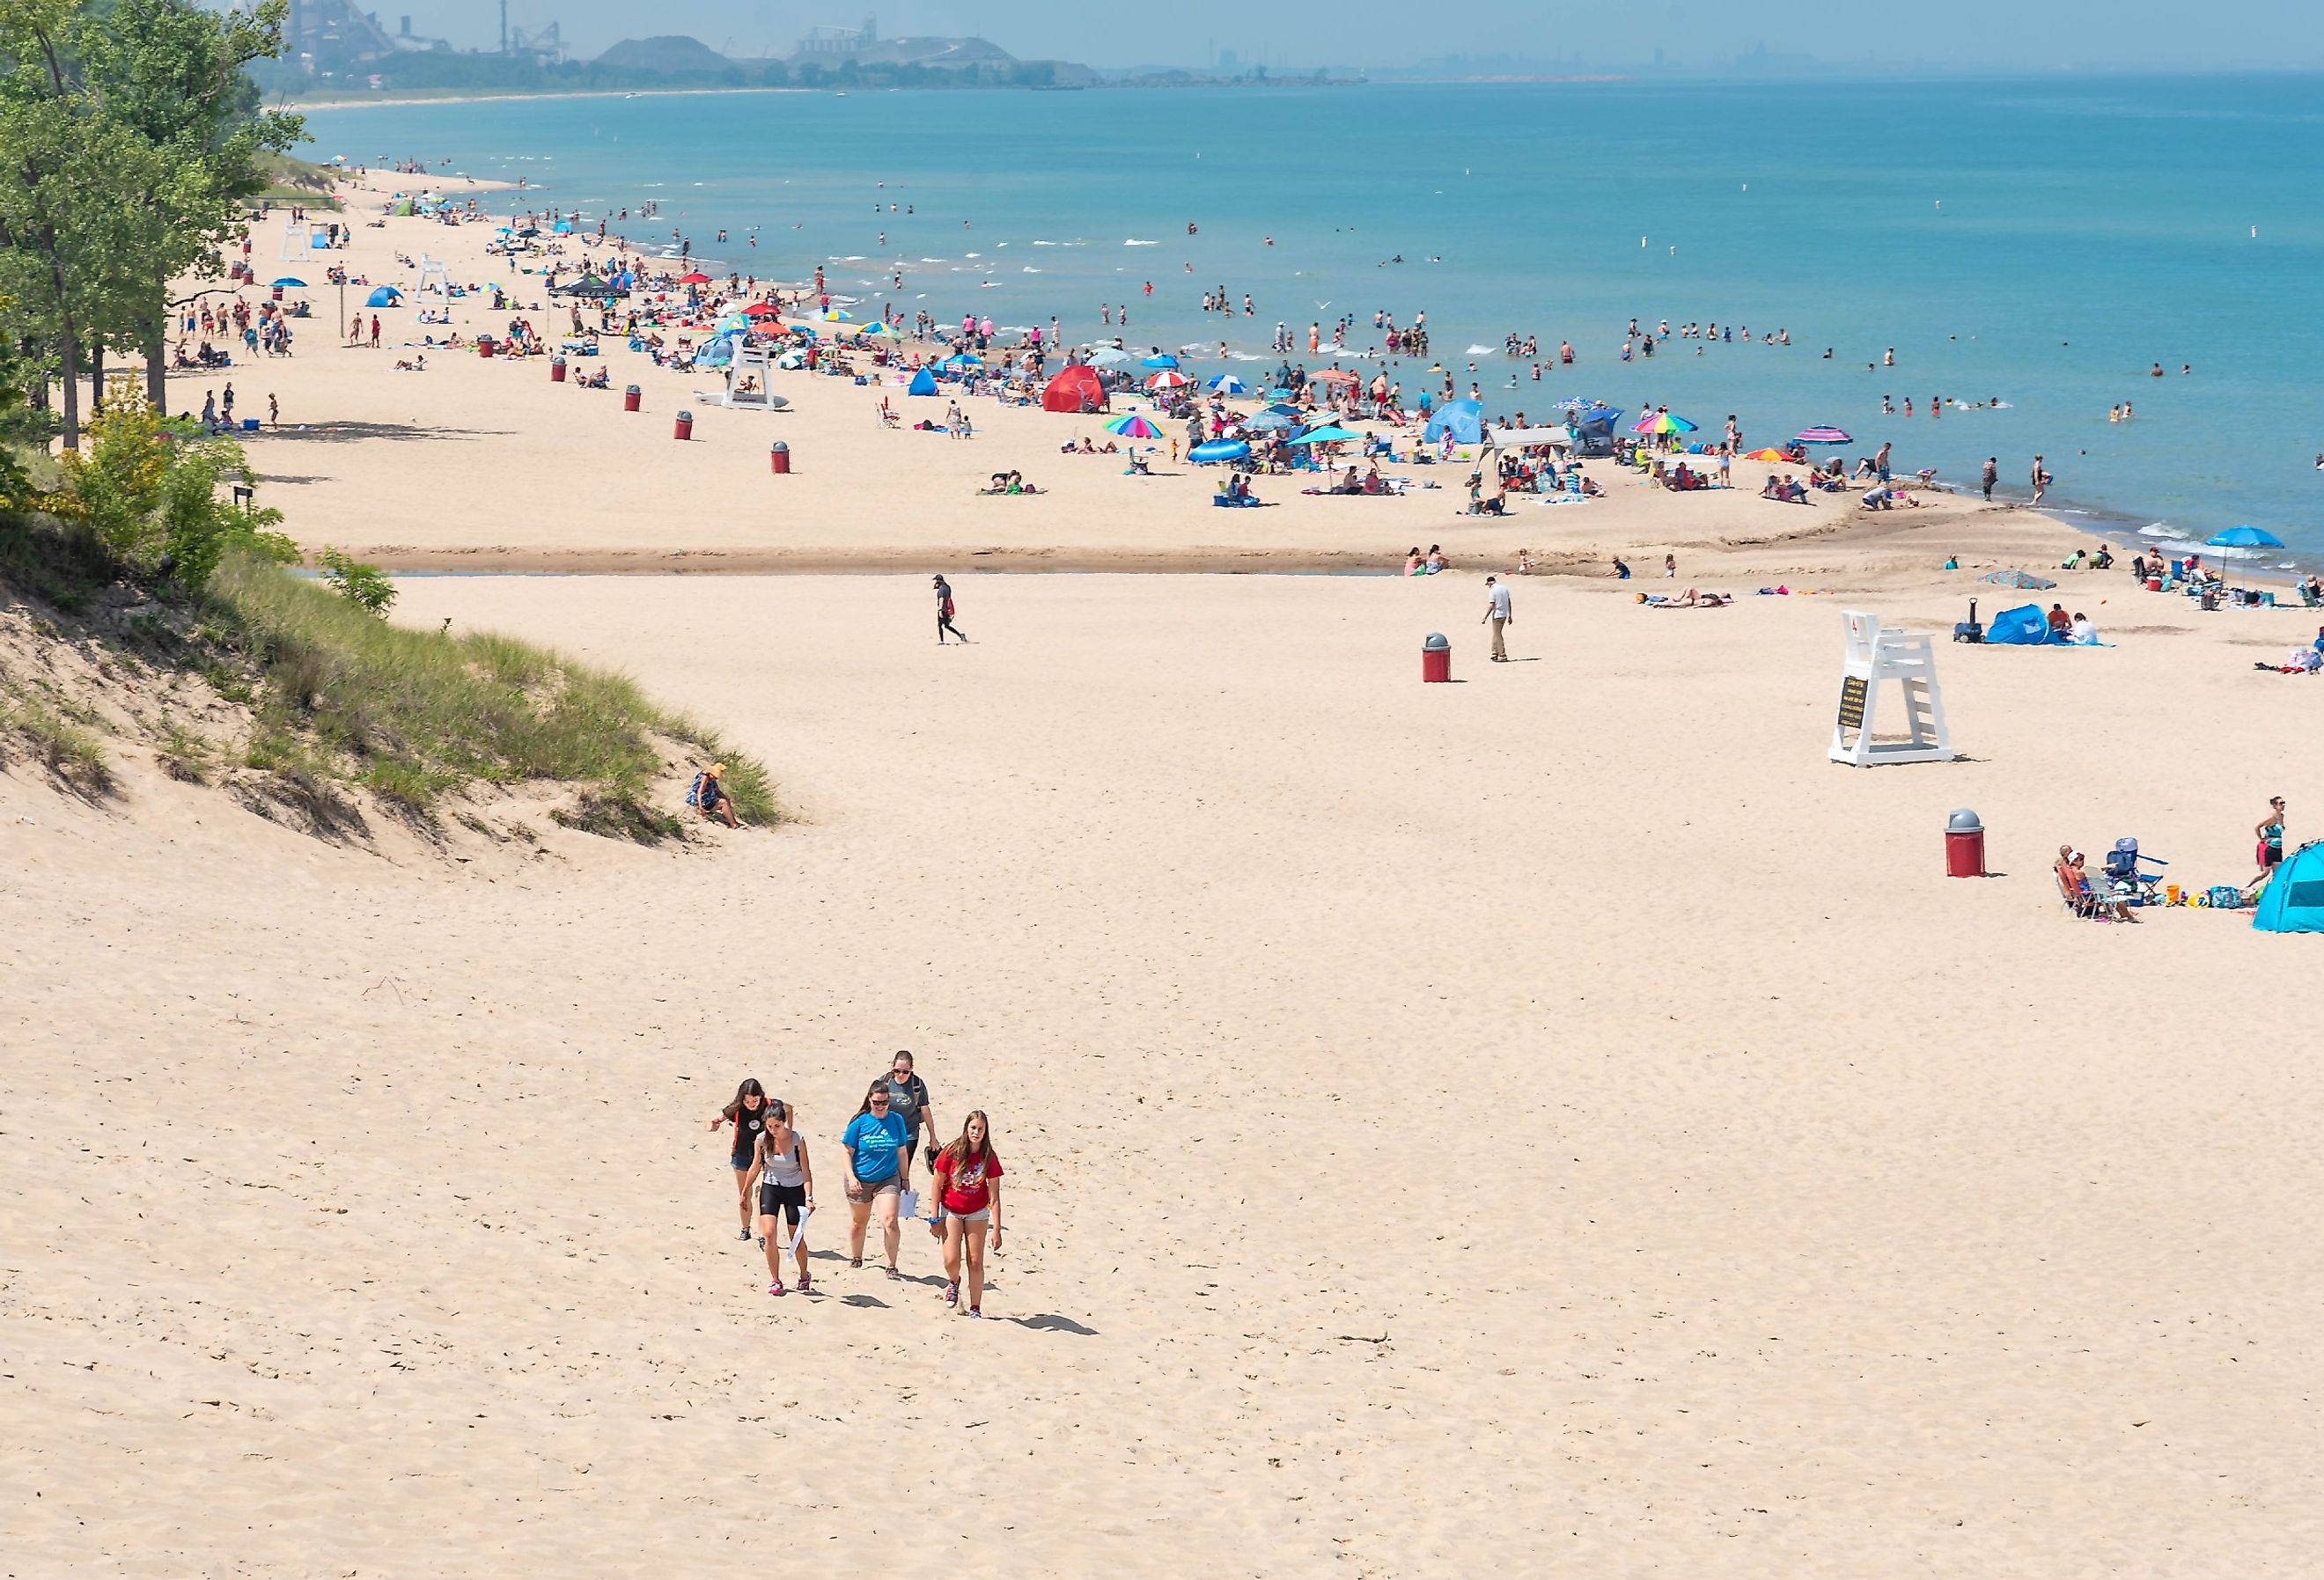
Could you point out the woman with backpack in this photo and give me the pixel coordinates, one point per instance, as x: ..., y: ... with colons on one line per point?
x: 786, y: 1190
x: 709, y: 795
x: 748, y: 1114
x: 968, y: 1205
x: 945, y: 613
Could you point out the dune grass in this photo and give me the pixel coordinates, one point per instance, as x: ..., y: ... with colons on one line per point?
x: 71, y: 750
x: 413, y: 715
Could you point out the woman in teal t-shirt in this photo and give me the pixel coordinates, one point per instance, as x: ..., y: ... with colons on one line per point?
x: 874, y: 1139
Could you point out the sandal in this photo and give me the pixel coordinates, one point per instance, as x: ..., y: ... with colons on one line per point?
x: 894, y: 1274
x: 856, y: 1262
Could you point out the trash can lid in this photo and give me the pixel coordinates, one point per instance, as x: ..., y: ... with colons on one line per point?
x: 685, y: 417
x: 1963, y: 821
x: 630, y: 390
x: 1435, y: 643
x: 778, y: 445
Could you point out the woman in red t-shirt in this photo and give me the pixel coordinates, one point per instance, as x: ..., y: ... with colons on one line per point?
x: 968, y: 1203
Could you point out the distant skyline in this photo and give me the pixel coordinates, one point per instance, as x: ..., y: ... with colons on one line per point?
x: 1693, y: 35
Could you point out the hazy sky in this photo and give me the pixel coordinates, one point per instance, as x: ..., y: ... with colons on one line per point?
x: 2013, y: 34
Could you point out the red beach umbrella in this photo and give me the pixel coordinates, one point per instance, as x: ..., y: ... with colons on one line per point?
x: 695, y: 278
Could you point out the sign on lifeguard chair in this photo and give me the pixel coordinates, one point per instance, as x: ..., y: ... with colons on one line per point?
x: 1875, y: 657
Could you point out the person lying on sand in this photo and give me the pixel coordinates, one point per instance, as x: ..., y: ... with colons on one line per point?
x: 1690, y: 600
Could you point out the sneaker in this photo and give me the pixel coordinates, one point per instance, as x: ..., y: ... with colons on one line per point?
x: 951, y: 1293
x: 973, y: 1311
x: 806, y: 1283
x: 762, y: 1241
x: 742, y: 1234
x: 776, y: 1288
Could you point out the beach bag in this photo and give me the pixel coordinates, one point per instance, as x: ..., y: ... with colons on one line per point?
x: 2222, y: 897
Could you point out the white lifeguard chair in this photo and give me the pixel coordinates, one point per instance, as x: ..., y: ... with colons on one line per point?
x: 1875, y: 658
x: 434, y: 277
x: 752, y: 362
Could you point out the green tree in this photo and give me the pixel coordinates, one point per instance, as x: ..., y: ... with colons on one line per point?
x: 129, y: 136
x: 154, y: 500
x: 177, y: 75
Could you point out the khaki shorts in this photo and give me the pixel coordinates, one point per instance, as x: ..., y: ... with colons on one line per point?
x: 865, y: 1193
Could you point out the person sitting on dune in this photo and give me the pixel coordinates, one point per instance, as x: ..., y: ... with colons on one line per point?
x: 709, y: 794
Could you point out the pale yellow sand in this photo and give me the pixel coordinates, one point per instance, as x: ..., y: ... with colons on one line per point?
x: 1554, y: 1124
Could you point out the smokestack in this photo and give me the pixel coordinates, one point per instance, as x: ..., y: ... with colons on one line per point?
x: 503, y: 27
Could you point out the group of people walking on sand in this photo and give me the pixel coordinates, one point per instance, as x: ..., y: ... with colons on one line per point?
x: 895, y: 1125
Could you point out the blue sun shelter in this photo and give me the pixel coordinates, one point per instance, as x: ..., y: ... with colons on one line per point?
x: 924, y: 382
x: 1463, y: 419
x: 2293, y: 899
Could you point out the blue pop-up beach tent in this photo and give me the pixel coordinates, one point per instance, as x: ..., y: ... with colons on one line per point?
x: 2293, y: 899
x: 2024, y: 627
x: 924, y: 382
x: 385, y: 296
x: 1463, y: 419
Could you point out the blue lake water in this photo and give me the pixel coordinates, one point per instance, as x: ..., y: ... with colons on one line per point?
x: 2040, y: 241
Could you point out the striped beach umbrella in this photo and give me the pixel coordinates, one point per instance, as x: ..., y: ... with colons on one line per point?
x: 1226, y: 384
x: 1663, y: 422
x: 1823, y: 436
x: 1133, y: 426
x: 1167, y: 380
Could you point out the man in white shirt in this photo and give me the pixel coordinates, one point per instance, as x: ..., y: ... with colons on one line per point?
x: 1497, y: 615
x: 2085, y: 634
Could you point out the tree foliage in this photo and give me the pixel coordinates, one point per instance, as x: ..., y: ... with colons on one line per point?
x: 130, y: 133
x: 151, y: 497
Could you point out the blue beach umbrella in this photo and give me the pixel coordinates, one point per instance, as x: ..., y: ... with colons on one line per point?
x: 289, y: 283
x: 2244, y: 537
x: 1270, y: 421
x: 1226, y: 384
x: 1159, y: 359
x: 1218, y: 449
x: 1329, y: 433
x: 1281, y: 395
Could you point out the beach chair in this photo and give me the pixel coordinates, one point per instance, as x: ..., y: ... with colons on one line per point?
x: 2123, y: 865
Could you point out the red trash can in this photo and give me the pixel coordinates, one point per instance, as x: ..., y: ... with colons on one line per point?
x: 483, y: 345
x: 630, y: 398
x: 779, y: 458
x: 684, y: 427
x: 1435, y: 658
x: 1964, y: 846
x: 557, y: 370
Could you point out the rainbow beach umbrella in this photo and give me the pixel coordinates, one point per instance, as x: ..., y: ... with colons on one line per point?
x: 1133, y: 426
x: 1823, y: 436
x: 1663, y: 422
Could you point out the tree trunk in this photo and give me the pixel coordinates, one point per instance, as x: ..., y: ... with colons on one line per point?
x: 157, y: 353
x: 97, y: 378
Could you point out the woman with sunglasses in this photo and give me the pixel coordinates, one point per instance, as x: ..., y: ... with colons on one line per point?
x: 875, y: 1139
x: 748, y: 1114
x: 968, y: 1204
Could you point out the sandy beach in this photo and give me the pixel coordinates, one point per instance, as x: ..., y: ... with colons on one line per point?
x: 1556, y: 1122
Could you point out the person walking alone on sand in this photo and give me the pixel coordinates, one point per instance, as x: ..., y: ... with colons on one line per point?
x: 875, y: 1139
x: 748, y: 1114
x: 1992, y: 476
x: 2041, y: 479
x: 968, y: 1204
x: 2269, y: 831
x: 1498, y: 614
x: 945, y: 613
x: 786, y: 1190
